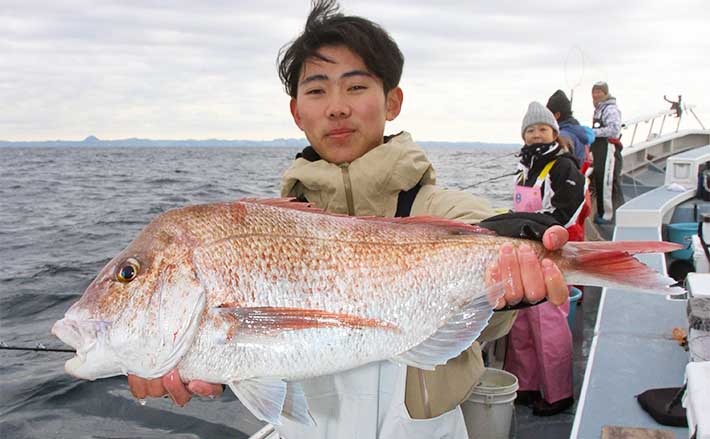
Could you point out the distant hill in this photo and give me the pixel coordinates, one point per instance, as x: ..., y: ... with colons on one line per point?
x: 95, y: 142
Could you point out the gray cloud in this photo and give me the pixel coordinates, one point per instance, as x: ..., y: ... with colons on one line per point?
x: 207, y: 69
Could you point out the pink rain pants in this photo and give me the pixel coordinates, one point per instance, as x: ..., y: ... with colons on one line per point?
x: 539, y: 351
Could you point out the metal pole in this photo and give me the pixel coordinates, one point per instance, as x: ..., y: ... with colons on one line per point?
x: 696, y: 118
x: 650, y: 129
x: 663, y: 122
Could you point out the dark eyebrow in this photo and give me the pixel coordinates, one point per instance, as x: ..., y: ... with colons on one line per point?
x: 349, y: 74
x: 313, y: 78
x: 357, y: 73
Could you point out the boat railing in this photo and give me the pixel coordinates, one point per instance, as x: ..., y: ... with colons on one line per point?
x: 678, y: 110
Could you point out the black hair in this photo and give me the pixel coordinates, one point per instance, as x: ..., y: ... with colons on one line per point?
x: 326, y: 26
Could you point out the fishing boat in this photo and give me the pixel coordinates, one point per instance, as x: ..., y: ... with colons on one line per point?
x: 632, y: 344
x: 625, y: 346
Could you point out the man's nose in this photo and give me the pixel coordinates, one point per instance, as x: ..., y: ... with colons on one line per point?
x: 338, y: 107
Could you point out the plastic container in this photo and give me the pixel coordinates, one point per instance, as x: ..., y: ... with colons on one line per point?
x: 682, y: 234
x: 574, y: 295
x: 488, y: 412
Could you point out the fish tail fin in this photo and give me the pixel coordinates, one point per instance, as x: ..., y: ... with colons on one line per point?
x: 611, y: 264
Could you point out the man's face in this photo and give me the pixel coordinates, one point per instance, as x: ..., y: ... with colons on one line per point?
x: 341, y: 106
x: 539, y: 133
x: 597, y: 95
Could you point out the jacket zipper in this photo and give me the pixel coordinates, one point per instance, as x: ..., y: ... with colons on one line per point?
x: 348, y: 188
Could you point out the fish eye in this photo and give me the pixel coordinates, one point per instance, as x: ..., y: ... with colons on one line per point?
x: 128, y: 270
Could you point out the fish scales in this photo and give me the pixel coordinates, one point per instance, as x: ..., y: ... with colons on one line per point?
x: 251, y: 255
x: 348, y: 274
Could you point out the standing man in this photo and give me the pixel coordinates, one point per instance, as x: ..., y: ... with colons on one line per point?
x: 606, y: 153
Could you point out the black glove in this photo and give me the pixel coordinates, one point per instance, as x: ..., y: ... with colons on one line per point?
x: 528, y: 225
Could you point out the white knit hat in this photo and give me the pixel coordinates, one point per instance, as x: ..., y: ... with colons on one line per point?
x: 537, y: 113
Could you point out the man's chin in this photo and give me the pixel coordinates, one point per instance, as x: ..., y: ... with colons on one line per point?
x: 339, y: 155
x: 345, y: 152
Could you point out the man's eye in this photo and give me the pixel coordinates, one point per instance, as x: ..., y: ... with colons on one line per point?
x: 315, y: 91
x: 358, y: 87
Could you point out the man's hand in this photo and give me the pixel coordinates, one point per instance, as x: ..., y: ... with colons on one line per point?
x: 172, y: 385
x: 524, y: 277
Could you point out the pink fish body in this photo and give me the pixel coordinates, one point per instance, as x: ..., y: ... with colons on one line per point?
x: 260, y: 294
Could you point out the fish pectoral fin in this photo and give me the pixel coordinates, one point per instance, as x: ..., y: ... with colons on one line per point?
x: 269, y: 398
x: 268, y: 319
x: 296, y: 406
x: 455, y: 336
x: 264, y: 397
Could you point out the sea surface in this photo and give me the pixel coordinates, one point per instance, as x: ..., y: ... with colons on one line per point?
x: 65, y: 212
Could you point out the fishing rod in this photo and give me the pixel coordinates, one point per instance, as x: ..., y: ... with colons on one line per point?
x: 506, y: 155
x: 496, y: 178
x: 39, y: 348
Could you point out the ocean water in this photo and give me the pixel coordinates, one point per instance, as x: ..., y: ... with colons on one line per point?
x: 65, y: 212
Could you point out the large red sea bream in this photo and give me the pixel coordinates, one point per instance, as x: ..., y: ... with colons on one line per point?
x: 258, y: 294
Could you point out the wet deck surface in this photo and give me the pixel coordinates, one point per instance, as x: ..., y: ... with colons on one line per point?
x: 528, y: 426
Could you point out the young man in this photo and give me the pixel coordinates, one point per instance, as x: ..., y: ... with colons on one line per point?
x: 343, y: 76
x: 606, y: 152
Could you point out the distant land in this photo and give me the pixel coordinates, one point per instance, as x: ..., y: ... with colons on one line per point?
x: 94, y: 142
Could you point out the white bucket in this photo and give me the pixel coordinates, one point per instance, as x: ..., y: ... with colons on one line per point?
x: 488, y: 412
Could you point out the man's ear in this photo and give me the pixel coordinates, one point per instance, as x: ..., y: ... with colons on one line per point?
x: 557, y: 115
x: 394, y: 100
x: 294, y: 113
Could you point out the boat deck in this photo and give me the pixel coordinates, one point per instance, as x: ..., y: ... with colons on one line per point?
x: 632, y: 346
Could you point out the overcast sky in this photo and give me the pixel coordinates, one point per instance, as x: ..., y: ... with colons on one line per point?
x: 207, y: 69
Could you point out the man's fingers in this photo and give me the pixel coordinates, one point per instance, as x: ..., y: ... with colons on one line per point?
x: 138, y: 386
x: 557, y: 290
x: 555, y: 237
x: 176, y: 388
x: 205, y: 389
x: 531, y: 274
x: 510, y: 274
x: 155, y: 388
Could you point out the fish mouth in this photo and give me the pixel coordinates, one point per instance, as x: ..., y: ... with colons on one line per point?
x: 83, y: 337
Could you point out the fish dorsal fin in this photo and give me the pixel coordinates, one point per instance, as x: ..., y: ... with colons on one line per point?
x: 264, y: 397
x: 296, y: 406
x: 453, y: 226
x: 456, y: 335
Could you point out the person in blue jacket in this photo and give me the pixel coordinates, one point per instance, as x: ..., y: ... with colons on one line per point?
x: 580, y: 135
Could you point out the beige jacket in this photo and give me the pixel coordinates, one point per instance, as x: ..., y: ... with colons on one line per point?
x: 370, y: 185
